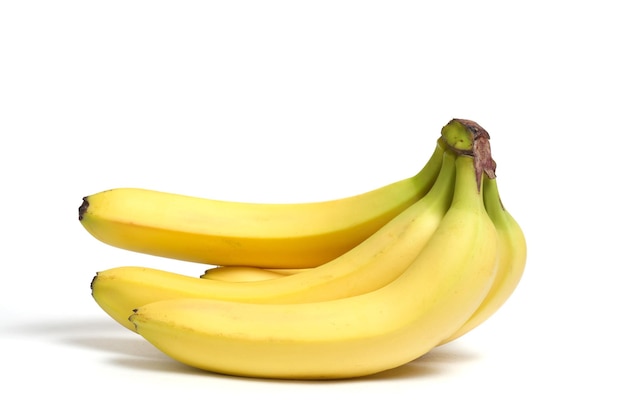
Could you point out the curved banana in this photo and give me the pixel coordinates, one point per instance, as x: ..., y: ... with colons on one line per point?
x: 232, y: 233
x: 287, y: 271
x: 370, y: 265
x: 347, y: 337
x: 244, y: 273
x: 512, y: 260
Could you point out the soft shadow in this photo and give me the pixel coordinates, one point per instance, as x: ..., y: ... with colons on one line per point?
x: 131, y: 345
x: 435, y: 363
x: 132, y: 351
x: 158, y: 363
x: 51, y: 327
x: 94, y: 334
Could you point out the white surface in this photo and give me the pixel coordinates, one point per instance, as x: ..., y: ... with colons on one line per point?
x: 293, y: 101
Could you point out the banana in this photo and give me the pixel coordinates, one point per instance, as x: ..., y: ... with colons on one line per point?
x: 286, y: 271
x: 244, y: 273
x: 248, y: 273
x: 347, y: 337
x: 370, y: 265
x: 512, y: 260
x: 217, y: 232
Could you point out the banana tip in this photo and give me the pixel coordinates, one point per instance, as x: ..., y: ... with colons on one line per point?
x: 132, y: 317
x: 83, y: 208
x: 93, y: 281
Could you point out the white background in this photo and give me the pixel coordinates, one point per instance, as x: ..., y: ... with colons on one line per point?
x: 298, y: 101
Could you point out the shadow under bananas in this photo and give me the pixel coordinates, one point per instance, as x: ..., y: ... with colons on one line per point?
x: 123, y: 348
x: 132, y: 352
x: 438, y: 362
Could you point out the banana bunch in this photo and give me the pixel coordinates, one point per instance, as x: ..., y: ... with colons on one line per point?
x: 323, y: 290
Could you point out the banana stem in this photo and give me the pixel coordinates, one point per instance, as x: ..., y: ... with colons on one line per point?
x: 467, y: 137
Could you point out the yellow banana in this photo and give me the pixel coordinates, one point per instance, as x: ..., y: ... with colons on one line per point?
x: 512, y: 260
x: 243, y: 273
x: 370, y: 265
x: 245, y: 234
x: 347, y: 337
x: 286, y: 271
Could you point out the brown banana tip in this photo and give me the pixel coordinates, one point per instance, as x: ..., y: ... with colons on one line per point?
x: 477, y: 130
x: 93, y: 281
x: 132, y: 317
x: 83, y: 208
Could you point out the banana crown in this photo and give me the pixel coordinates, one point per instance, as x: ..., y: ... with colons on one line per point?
x: 457, y: 135
x: 468, y: 137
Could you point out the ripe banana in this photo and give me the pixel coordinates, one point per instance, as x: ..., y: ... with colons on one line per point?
x: 248, y: 273
x: 346, y: 337
x: 243, y: 273
x: 244, y: 234
x: 512, y: 246
x: 370, y: 265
